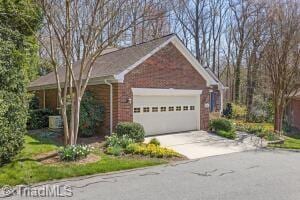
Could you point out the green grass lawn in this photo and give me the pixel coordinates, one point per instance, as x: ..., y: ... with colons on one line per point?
x: 25, y: 170
x: 290, y: 142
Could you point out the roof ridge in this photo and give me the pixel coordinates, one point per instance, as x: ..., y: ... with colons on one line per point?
x: 122, y: 48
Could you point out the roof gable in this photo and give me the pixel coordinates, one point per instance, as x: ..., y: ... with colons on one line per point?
x: 116, y: 64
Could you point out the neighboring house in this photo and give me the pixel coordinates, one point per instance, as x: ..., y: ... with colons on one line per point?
x: 293, y: 111
x: 157, y: 83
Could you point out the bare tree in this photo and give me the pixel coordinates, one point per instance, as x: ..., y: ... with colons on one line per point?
x: 282, y: 54
x: 192, y: 16
x: 255, y: 50
x: 81, y: 30
x: 242, y: 11
x: 217, y: 12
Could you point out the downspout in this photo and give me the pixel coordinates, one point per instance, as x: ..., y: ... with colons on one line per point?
x: 110, y: 105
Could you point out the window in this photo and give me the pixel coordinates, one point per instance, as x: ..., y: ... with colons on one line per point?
x: 185, y: 108
x: 192, y: 107
x: 171, y: 108
x: 154, y: 109
x: 146, y: 109
x: 137, y: 110
x: 178, y: 108
x: 163, y: 109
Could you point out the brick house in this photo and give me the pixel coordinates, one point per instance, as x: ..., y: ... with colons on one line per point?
x: 157, y: 83
x: 293, y: 111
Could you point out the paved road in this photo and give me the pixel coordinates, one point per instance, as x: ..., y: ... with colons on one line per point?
x: 249, y: 175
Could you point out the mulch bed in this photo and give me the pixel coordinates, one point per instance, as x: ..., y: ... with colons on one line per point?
x: 53, y: 158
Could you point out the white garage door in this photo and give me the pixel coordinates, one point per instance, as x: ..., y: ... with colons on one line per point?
x: 166, y: 111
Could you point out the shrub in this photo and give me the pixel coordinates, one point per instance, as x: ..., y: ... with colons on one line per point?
x: 12, y: 125
x: 151, y: 150
x: 239, y: 111
x: 13, y: 101
x: 255, y: 129
x: 271, y: 136
x: 114, y: 150
x: 38, y: 118
x: 221, y: 124
x: 122, y: 141
x: 227, y: 112
x: 154, y: 141
x: 134, y: 130
x: 226, y: 134
x: 91, y: 115
x: 74, y: 152
x: 262, y: 110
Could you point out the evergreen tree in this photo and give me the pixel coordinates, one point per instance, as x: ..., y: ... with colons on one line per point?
x: 18, y: 65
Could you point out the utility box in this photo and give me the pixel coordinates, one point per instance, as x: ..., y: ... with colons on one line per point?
x: 55, y: 122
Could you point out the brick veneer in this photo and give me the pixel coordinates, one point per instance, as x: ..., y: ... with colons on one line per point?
x: 295, y: 108
x: 166, y: 69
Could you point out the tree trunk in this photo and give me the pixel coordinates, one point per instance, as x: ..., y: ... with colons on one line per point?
x: 238, y: 76
x: 278, y: 119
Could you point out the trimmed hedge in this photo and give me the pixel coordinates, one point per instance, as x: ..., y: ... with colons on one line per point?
x: 133, y: 130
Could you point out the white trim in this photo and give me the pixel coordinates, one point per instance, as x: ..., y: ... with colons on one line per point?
x: 198, y: 107
x: 179, y: 45
x: 110, y: 105
x: 164, y: 92
x: 221, y: 99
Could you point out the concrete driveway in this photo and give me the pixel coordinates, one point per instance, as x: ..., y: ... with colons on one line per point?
x: 199, y: 144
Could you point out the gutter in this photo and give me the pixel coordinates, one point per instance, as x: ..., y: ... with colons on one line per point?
x: 110, y: 105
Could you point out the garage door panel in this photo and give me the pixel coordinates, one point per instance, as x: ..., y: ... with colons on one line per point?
x: 166, y: 121
x: 163, y: 100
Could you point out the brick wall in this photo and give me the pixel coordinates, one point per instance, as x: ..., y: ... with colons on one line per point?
x: 100, y: 92
x: 50, y: 99
x: 295, y: 113
x: 168, y: 68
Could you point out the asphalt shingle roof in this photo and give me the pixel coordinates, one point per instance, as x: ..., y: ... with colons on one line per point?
x: 108, y: 64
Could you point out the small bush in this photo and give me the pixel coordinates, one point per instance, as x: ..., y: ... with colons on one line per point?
x: 134, y: 130
x: 38, y: 118
x: 271, y: 136
x: 221, y: 124
x: 227, y: 112
x: 154, y: 141
x: 151, y: 150
x: 114, y: 150
x: 255, y: 130
x: 229, y: 134
x: 239, y: 111
x: 122, y: 141
x: 74, y: 152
